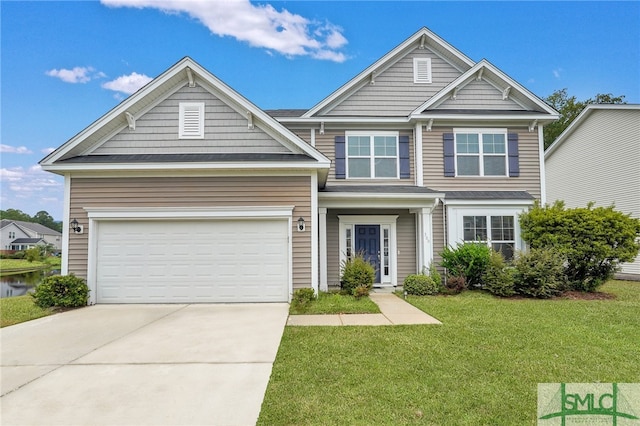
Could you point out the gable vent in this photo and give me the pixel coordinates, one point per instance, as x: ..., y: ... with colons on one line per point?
x: 422, y: 70
x: 191, y: 120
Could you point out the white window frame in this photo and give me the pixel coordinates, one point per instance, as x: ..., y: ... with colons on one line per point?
x: 195, y: 130
x: 372, y: 157
x: 481, y: 154
x: 418, y: 76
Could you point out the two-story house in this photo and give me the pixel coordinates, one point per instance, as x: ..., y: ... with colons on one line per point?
x: 187, y: 192
x: 20, y: 235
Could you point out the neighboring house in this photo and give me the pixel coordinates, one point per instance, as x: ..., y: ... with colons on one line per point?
x: 12, y: 230
x: 27, y: 243
x: 187, y: 192
x: 597, y: 159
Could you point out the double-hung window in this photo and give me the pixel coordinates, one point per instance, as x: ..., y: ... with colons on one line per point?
x: 481, y: 152
x: 496, y: 231
x: 372, y: 155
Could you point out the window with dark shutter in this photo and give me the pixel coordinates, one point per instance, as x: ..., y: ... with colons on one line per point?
x: 405, y: 164
x: 449, y: 155
x: 341, y: 172
x: 514, y: 160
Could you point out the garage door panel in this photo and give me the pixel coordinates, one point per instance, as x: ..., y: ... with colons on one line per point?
x: 192, y: 261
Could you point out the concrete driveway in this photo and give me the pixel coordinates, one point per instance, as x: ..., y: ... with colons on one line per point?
x: 141, y: 364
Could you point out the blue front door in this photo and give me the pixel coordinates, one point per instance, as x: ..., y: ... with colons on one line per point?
x: 368, y: 243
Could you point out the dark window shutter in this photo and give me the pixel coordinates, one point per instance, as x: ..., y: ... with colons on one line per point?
x: 405, y: 166
x: 514, y: 162
x: 341, y: 171
x: 449, y: 155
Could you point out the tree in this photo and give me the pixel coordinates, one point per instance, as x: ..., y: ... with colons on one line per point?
x: 569, y: 108
x: 594, y: 240
x: 42, y: 217
x: 13, y: 214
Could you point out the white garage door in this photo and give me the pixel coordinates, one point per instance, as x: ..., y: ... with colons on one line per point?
x: 204, y: 261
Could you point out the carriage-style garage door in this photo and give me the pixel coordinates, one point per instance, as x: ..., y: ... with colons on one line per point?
x: 192, y: 261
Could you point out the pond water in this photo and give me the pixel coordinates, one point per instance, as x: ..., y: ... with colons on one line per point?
x: 19, y: 284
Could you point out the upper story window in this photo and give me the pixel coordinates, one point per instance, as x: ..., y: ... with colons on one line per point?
x: 12, y: 234
x: 372, y: 155
x: 191, y: 121
x: 422, y: 70
x: 481, y: 152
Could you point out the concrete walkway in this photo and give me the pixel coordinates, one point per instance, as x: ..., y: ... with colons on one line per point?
x: 394, y: 311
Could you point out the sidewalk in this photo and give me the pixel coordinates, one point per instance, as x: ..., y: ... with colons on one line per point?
x: 394, y: 311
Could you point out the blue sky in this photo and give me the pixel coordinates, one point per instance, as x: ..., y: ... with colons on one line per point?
x: 65, y: 64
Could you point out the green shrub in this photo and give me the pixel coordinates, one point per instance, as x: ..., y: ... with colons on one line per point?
x: 34, y: 254
x: 435, y: 275
x: 594, y: 240
x: 499, y: 278
x: 357, y: 272
x: 468, y: 260
x: 539, y: 273
x: 420, y: 285
x: 66, y: 291
x: 302, y: 297
x: 361, y: 291
x: 455, y: 284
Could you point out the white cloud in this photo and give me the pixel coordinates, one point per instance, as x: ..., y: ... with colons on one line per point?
x: 556, y: 72
x: 47, y: 151
x: 258, y: 25
x: 15, y: 149
x: 31, y: 189
x: 76, y: 75
x: 127, y: 83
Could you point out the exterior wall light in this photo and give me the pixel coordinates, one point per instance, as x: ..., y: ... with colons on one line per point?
x: 76, y: 227
x: 301, y: 225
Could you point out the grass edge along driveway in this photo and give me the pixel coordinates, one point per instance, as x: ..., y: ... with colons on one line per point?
x: 481, y: 367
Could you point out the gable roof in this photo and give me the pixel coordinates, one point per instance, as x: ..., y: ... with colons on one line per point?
x: 34, y: 227
x: 581, y: 118
x: 186, y: 71
x: 510, y: 88
x: 423, y: 37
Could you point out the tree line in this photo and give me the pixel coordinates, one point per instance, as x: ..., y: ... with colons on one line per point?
x: 42, y: 217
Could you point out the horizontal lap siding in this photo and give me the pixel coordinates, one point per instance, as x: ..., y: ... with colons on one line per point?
x: 326, y: 145
x: 225, y: 131
x: 529, y: 179
x: 479, y: 95
x: 406, y: 234
x: 183, y: 192
x: 394, y: 92
x: 438, y: 236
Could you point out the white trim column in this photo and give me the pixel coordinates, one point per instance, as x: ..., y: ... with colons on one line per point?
x: 543, y: 180
x: 418, y: 155
x: 314, y: 233
x: 322, y: 224
x: 65, y: 225
x: 424, y: 242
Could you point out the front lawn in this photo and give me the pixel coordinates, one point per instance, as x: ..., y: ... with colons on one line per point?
x: 14, y: 310
x: 480, y: 367
x: 21, y: 265
x: 334, y: 303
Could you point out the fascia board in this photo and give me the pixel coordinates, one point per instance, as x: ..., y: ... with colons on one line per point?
x: 479, y: 117
x: 384, y: 61
x: 487, y: 203
x: 351, y: 119
x: 117, y: 110
x: 590, y: 108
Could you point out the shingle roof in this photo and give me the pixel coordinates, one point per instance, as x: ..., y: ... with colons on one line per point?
x: 285, y: 112
x: 35, y: 227
x: 488, y: 195
x: 26, y: 241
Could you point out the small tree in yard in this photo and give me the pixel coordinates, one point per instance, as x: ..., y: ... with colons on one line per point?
x: 357, y: 276
x: 594, y: 240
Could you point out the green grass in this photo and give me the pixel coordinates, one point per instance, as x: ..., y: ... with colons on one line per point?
x: 481, y: 367
x: 14, y: 310
x: 20, y: 265
x: 334, y: 303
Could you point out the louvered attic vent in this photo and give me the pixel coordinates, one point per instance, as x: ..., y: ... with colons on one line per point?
x: 191, y: 120
x: 422, y: 70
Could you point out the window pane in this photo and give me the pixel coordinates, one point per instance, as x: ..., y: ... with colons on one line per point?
x: 358, y: 145
x: 359, y: 167
x: 475, y: 228
x: 506, y: 249
x: 468, y: 165
x: 502, y: 228
x: 493, y: 144
x: 386, y: 167
x: 385, y: 146
x: 467, y: 143
x: 494, y: 165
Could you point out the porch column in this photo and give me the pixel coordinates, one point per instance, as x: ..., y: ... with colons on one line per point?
x: 322, y: 223
x: 424, y: 240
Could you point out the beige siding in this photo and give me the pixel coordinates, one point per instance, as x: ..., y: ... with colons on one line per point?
x: 394, y: 92
x: 479, y: 95
x: 439, y: 235
x: 326, y: 145
x: 599, y: 162
x: 194, y: 192
x: 406, y: 242
x: 529, y: 179
x: 156, y: 132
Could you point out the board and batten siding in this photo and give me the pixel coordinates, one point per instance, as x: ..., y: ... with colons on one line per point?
x: 529, y: 179
x: 225, y: 130
x: 326, y: 145
x: 599, y: 162
x: 394, y: 92
x: 405, y: 235
x: 180, y: 192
